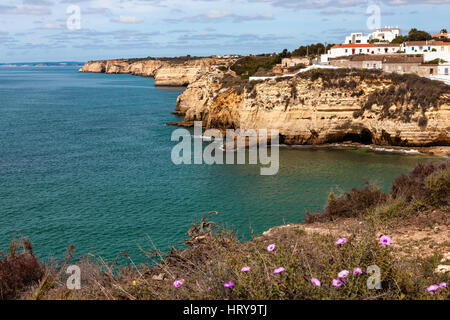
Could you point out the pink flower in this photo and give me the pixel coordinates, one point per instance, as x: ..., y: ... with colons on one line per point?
x: 178, y: 283
x: 245, y: 269
x: 357, y: 271
x: 341, y: 241
x: 229, y: 284
x: 343, y: 274
x: 337, y: 282
x: 315, y: 282
x: 279, y: 270
x: 432, y: 288
x: 443, y: 285
x: 386, y: 240
x: 210, y: 288
x: 271, y: 247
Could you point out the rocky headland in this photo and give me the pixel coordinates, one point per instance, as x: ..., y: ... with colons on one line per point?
x: 175, y: 72
x: 325, y: 106
x: 311, y: 108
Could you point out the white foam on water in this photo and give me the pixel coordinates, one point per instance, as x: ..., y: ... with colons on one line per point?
x: 407, y: 151
x: 206, y: 138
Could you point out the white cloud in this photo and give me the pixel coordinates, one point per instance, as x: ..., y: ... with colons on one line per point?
x: 25, y: 10
x: 51, y: 26
x: 217, y: 14
x: 128, y: 20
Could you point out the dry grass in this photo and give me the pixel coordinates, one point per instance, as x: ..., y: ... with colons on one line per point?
x: 214, y: 256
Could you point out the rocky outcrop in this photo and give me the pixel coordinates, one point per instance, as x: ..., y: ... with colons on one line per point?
x: 313, y: 109
x: 183, y: 74
x: 167, y: 72
x: 142, y: 67
x: 94, y: 67
x: 146, y: 68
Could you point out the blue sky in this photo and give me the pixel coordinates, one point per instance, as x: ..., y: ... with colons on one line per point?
x: 37, y: 30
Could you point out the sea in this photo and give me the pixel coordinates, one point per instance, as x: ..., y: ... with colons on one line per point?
x: 85, y: 159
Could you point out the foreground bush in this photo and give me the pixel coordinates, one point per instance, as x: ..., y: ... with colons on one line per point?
x: 351, y: 204
x: 18, y: 270
x: 288, y: 264
x: 427, y: 186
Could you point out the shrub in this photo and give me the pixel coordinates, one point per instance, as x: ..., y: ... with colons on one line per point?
x: 248, y: 66
x: 351, y: 204
x: 423, y: 121
x: 414, y: 185
x: 427, y: 186
x: 437, y: 186
x: 18, y: 270
x: 296, y: 67
x: 412, y: 92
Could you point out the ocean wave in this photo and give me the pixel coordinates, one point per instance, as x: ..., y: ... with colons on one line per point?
x: 408, y: 151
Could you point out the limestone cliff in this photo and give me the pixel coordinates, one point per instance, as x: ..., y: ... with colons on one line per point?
x: 325, y: 106
x: 167, y: 72
x: 94, y: 67
x: 183, y: 74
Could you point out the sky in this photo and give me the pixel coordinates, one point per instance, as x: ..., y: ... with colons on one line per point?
x: 81, y: 30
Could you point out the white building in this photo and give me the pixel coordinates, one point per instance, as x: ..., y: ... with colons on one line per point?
x: 444, y: 69
x: 431, y: 50
x: 356, y: 38
x: 341, y: 50
x: 386, y: 34
x: 386, y: 48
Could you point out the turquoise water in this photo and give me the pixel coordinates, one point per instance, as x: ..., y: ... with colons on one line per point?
x: 85, y: 160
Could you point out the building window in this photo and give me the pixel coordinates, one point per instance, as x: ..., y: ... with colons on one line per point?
x: 360, y: 50
x: 346, y: 50
x: 368, y: 50
x: 431, y: 70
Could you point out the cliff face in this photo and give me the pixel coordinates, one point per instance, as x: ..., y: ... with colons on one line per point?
x: 166, y: 72
x: 94, y: 67
x: 317, y: 111
x: 146, y: 68
x: 183, y: 74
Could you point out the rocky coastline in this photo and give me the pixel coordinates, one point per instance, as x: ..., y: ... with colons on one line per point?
x: 174, y: 72
x: 313, y: 108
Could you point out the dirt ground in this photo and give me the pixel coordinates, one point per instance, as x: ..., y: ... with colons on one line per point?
x: 420, y: 236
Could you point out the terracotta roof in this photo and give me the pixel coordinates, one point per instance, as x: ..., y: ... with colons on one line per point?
x: 437, y: 35
x: 420, y: 43
x: 441, y: 44
x: 403, y: 59
x: 356, y: 45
